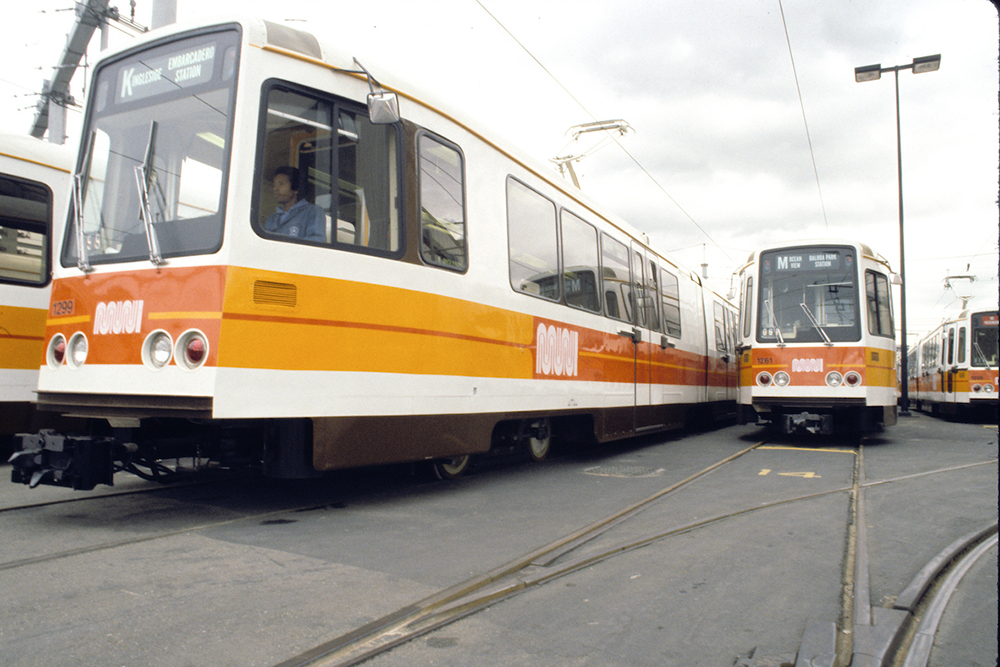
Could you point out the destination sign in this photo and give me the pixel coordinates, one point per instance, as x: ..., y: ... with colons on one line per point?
x: 989, y: 320
x: 161, y: 74
x: 805, y: 261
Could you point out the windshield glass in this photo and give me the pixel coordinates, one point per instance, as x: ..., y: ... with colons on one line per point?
x: 984, y: 339
x: 808, y: 295
x: 155, y: 152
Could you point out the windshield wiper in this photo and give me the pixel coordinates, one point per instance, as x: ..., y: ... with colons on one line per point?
x: 79, y: 182
x: 774, y: 321
x: 982, y: 355
x: 816, y: 324
x: 144, y: 173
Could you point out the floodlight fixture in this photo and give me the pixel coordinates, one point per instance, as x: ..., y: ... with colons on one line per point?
x: 868, y: 73
x: 926, y: 64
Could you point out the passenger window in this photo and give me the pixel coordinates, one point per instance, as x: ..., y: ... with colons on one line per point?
x: 671, y: 304
x: 879, y: 304
x: 25, y: 214
x: 745, y: 313
x: 652, y: 298
x: 638, y: 291
x: 615, y: 279
x: 580, y: 263
x: 720, y: 329
x: 341, y: 169
x: 442, y: 205
x: 961, y: 345
x: 951, y: 347
x: 533, y: 251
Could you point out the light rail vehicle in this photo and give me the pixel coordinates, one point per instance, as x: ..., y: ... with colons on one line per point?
x: 817, y: 341
x: 275, y: 259
x: 34, y: 191
x: 953, y: 369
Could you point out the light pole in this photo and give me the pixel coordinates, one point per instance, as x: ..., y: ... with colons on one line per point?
x: 871, y: 73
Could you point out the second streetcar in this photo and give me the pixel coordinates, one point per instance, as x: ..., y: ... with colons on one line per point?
x: 816, y: 338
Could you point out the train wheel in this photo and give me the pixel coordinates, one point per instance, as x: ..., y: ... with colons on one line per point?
x: 539, y: 440
x: 451, y: 468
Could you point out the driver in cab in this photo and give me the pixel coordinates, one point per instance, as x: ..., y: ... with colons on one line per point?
x: 294, y: 217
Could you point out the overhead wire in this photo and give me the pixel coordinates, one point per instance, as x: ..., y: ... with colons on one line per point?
x: 802, y: 106
x: 615, y: 139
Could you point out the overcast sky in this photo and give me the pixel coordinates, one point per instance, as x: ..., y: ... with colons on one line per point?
x: 719, y: 162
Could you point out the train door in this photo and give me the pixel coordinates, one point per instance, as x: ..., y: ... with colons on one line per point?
x: 949, y: 367
x: 646, y: 324
x: 722, y: 376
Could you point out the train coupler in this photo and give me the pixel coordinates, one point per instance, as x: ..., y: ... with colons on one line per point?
x: 78, y: 462
x: 807, y: 421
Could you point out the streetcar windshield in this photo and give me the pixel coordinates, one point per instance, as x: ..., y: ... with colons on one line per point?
x: 808, y: 295
x: 984, y: 339
x: 153, y: 165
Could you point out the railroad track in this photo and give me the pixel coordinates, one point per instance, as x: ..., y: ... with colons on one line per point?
x: 849, y: 639
x: 569, y: 554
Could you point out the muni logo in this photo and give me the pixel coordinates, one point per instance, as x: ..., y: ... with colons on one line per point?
x: 807, y: 365
x: 556, y: 351
x: 118, y: 317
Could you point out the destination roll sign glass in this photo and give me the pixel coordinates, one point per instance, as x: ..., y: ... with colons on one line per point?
x: 163, y: 74
x: 807, y: 261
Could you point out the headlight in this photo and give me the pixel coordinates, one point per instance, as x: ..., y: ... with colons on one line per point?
x: 781, y: 379
x: 988, y: 388
x: 834, y: 379
x: 76, y: 350
x: 157, y: 349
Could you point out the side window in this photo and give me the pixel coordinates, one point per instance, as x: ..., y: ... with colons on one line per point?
x: 951, y: 346
x: 442, y: 204
x: 671, y: 304
x: 328, y: 175
x: 652, y: 297
x: 720, y: 328
x: 25, y: 212
x: 638, y: 305
x: 961, y: 345
x: 745, y: 312
x: 615, y: 279
x: 879, y: 304
x: 580, y: 263
x: 531, y: 242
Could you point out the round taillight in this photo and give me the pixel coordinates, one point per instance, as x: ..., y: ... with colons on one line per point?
x: 57, y: 351
x: 764, y: 379
x: 781, y: 379
x: 194, y: 352
x: 834, y: 379
x: 157, y: 349
x: 76, y: 350
x: 976, y: 388
x: 192, y: 349
x: 852, y: 379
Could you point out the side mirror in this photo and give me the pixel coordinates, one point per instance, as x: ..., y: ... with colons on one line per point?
x: 896, y: 279
x: 383, y: 108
